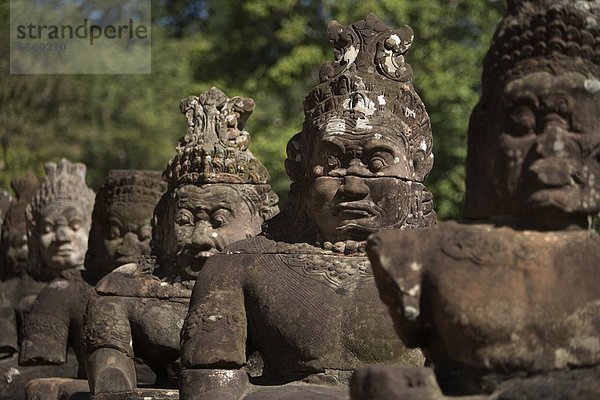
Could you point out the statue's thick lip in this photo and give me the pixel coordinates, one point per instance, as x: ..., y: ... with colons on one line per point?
x: 540, y: 168
x: 199, y: 252
x: 123, y: 259
x: 64, y: 250
x: 360, y: 209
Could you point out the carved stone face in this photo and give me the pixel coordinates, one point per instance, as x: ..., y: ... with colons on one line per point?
x: 206, y: 219
x: 128, y: 232
x: 549, y: 142
x: 17, y: 251
x: 356, y: 190
x: 63, y: 236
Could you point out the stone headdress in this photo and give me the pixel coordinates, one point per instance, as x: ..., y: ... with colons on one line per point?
x: 133, y: 187
x: 367, y: 86
x: 215, y: 148
x: 535, y: 35
x: 215, y: 151
x: 15, y: 222
x: 64, y: 184
x: 545, y: 35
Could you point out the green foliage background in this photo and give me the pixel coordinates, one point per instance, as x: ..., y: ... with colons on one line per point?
x: 270, y: 50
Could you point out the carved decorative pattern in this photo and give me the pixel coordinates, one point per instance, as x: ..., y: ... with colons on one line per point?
x: 368, y: 83
x: 215, y: 148
x: 333, y: 271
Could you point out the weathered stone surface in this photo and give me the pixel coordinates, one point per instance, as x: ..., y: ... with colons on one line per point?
x: 57, y: 389
x: 506, y: 301
x: 580, y: 384
x: 299, y: 391
x: 218, y: 194
x: 14, y: 378
x: 17, y: 296
x: 139, y: 394
x: 478, y: 298
x: 382, y: 382
x: 302, y: 294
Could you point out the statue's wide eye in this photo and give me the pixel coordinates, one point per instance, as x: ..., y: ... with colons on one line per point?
x: 219, y: 218
x: 114, y: 230
x: 376, y: 164
x: 184, y: 217
x: 75, y: 224
x: 523, y: 121
x: 47, y: 227
x: 145, y: 232
x: 333, y: 161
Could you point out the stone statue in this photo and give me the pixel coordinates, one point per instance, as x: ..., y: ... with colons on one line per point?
x: 18, y: 290
x: 58, y: 221
x: 302, y: 294
x: 120, y: 233
x: 507, y: 301
x: 13, y: 244
x: 58, y: 224
x: 217, y: 194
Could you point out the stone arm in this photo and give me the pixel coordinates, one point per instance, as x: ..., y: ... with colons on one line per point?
x: 9, y: 338
x: 16, y: 298
x: 54, y: 323
x: 398, y: 267
x: 214, y: 335
x: 108, y: 340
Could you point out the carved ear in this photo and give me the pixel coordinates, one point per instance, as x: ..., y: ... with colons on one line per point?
x: 293, y: 162
x: 268, y: 212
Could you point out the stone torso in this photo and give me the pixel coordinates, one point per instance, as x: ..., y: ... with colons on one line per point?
x: 20, y: 292
x: 139, y: 314
x: 529, y: 300
x: 56, y: 321
x: 308, y: 311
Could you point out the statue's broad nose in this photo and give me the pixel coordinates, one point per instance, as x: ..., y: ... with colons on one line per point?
x: 353, y: 188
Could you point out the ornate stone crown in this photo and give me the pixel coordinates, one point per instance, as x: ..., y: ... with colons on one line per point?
x: 368, y: 87
x: 24, y: 188
x: 552, y: 35
x: 132, y: 185
x: 64, y: 182
x: 215, y: 148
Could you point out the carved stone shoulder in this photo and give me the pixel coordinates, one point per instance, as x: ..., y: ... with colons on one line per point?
x: 264, y: 245
x: 132, y: 281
